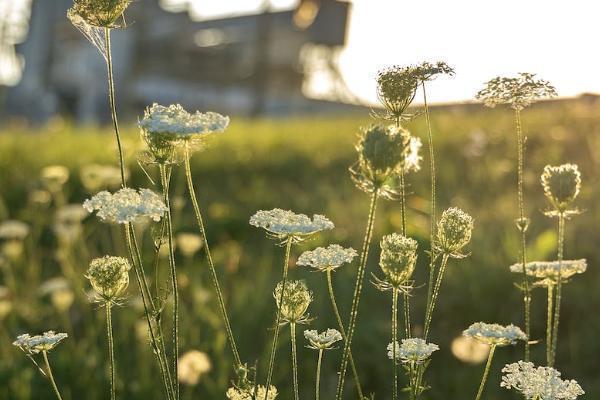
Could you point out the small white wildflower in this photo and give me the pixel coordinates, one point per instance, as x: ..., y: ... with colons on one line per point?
x: 192, y: 365
x: 454, y: 231
x: 235, y: 393
x: 539, y: 383
x: 548, y: 272
x: 518, y: 92
x: 412, y: 162
x: 126, y: 205
x: 39, y: 343
x: 324, y: 340
x: 494, y: 334
x: 13, y: 230
x: 284, y: 224
x: 327, y: 258
x: 293, y: 301
x: 412, y: 350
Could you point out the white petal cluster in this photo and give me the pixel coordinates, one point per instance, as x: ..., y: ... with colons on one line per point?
x: 175, y: 122
x: 324, y: 340
x: 412, y: 350
x: 327, y: 258
x: 539, y: 383
x: 38, y: 343
x: 549, y: 271
x: 285, y: 223
x: 192, y: 365
x: 412, y: 161
x: 13, y: 230
x: 234, y: 393
x: 126, y: 205
x: 495, y: 334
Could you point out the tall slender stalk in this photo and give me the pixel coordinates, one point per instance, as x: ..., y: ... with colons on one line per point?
x: 485, y: 372
x: 111, y: 352
x: 394, y: 341
x: 523, y: 228
x: 561, y: 245
x: 318, y: 377
x: 213, y: 272
x: 436, y: 291
x: 294, y: 361
x: 51, y: 376
x: 357, y: 291
x: 343, y: 332
x: 173, y: 267
x: 112, y: 103
x: 549, y: 324
x: 288, y: 248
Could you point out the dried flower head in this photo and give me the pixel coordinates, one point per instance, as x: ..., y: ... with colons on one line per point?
x: 99, y: 13
x: 398, y: 259
x: 548, y: 272
x: 396, y: 89
x: 518, y: 92
x: 454, y: 231
x: 192, y: 365
x: 327, y: 258
x: 39, y: 343
x: 127, y: 205
x: 236, y: 393
x: 539, y: 383
x: 414, y: 350
x: 494, y: 334
x: 54, y: 177
x: 427, y: 71
x: 561, y: 185
x: 13, y: 230
x: 96, y: 177
x: 285, y: 224
x: 109, y: 277
x: 188, y: 243
x: 293, y: 299
x: 324, y: 340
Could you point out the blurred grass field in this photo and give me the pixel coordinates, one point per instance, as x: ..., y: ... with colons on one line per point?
x: 301, y: 164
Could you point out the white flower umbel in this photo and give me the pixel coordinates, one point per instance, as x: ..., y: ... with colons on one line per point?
x: 39, y: 343
x: 412, y: 161
x: 327, y: 258
x: 127, y: 205
x: 495, y: 334
x: 285, y: 224
x: 234, y: 393
x: 539, y: 383
x: 549, y: 271
x: 324, y: 340
x: 414, y: 350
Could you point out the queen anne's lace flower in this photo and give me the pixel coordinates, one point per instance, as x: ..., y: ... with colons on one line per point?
x: 284, y: 224
x: 39, y: 343
x: 324, y: 340
x: 327, y: 258
x: 413, y: 350
x: 561, y: 185
x: 13, y: 230
x: 99, y: 13
x: 109, y: 276
x: 192, y: 365
x: 539, y: 383
x: 293, y: 301
x: 549, y: 271
x: 427, y: 71
x: 234, y: 393
x: 494, y: 334
x: 396, y: 89
x: 454, y: 230
x: 398, y: 258
x: 412, y: 162
x: 126, y: 205
x: 518, y: 92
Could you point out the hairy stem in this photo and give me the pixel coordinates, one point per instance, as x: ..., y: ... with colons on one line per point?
x: 436, y: 292
x: 288, y: 248
x: 51, y: 376
x: 294, y: 361
x: 111, y: 352
x: 523, y: 229
x: 394, y: 341
x: 549, y: 325
x: 113, y: 108
x: 357, y: 291
x: 343, y: 332
x: 485, y: 372
x: 561, y: 245
x: 318, y: 377
x: 213, y: 272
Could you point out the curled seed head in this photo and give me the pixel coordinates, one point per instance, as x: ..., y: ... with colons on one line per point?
x: 561, y: 185
x: 294, y: 302
x: 109, y: 276
x: 99, y: 13
x: 396, y: 89
x: 454, y: 230
x: 398, y: 258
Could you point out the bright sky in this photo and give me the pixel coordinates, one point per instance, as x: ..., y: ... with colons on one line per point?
x: 480, y: 38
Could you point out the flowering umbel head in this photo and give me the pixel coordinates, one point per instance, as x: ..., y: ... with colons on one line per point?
x: 427, y: 71
x: 248, y: 393
x: 324, y: 340
x: 327, y: 258
x: 396, y: 89
x: 285, y: 224
x: 39, y: 343
x: 99, y: 13
x: 548, y: 273
x: 518, y: 92
x: 412, y: 350
x: 494, y: 334
x: 561, y: 186
x: 292, y: 300
x: 397, y: 260
x: 109, y: 277
x: 454, y: 231
x: 539, y: 383
x: 126, y: 205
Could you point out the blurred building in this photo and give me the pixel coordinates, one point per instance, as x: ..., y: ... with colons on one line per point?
x: 251, y: 65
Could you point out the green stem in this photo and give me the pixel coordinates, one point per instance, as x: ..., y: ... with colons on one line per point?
x: 403, y: 203
x: 173, y: 267
x: 549, y: 325
x: 407, y: 328
x: 436, y: 292
x: 343, y: 332
x: 294, y: 361
x: 561, y: 245
x: 356, y: 298
x: 318, y: 378
x: 288, y: 248
x: 486, y: 372
x: 213, y: 272
x: 111, y: 351
x: 522, y: 229
x: 50, y: 376
x: 394, y: 341
x: 111, y: 99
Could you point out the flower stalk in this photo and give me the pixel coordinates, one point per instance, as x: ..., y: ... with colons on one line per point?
x: 294, y: 360
x: 111, y: 352
x: 395, y: 340
x: 51, y: 376
x: 486, y: 372
x: 561, y: 244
